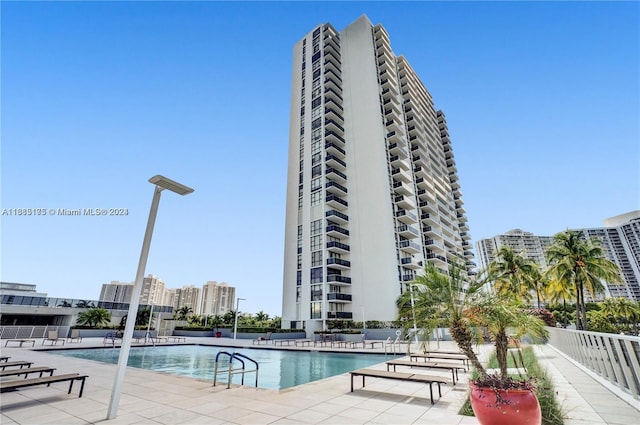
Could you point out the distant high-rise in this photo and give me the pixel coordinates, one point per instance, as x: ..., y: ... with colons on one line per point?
x: 217, y: 298
x: 117, y: 292
x: 373, y: 190
x: 620, y: 241
x: 187, y: 296
x: 153, y: 291
x: 526, y: 243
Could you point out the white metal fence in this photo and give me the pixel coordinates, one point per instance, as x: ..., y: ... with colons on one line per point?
x: 27, y: 332
x: 616, y: 358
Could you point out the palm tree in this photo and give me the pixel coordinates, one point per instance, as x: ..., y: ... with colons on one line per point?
x: 500, y: 313
x: 435, y: 298
x: 513, y: 274
x: 94, y: 317
x: 579, y: 263
x: 183, y: 312
x: 229, y: 317
x: 261, y: 317
x: 558, y: 290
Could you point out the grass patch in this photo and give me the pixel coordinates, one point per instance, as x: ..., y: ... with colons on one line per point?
x: 552, y: 413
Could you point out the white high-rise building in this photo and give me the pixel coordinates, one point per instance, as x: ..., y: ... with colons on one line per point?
x: 117, y: 292
x: 187, y: 296
x: 153, y: 291
x: 620, y: 241
x: 373, y: 190
x: 526, y: 243
x: 217, y: 298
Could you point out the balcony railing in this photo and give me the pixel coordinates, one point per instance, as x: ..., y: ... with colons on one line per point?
x: 338, y: 296
x: 338, y: 246
x: 338, y: 278
x: 339, y: 315
x: 338, y: 262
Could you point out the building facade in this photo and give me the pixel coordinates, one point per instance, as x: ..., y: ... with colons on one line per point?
x: 187, y: 296
x: 117, y: 292
x: 373, y: 191
x: 526, y: 243
x: 217, y: 298
x: 619, y: 238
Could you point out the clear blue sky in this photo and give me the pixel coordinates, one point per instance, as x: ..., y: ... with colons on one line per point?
x: 542, y: 102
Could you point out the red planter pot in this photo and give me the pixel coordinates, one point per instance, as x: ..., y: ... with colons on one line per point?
x: 521, y: 407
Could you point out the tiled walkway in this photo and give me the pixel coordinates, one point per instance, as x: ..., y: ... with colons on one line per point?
x: 153, y: 397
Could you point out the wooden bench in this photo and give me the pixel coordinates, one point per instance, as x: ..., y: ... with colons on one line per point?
x: 408, y: 377
x: 283, y: 341
x: 17, y: 372
x: 428, y: 365
x: 303, y: 342
x: 22, y: 383
x: 444, y: 356
x: 12, y: 364
x: 21, y: 341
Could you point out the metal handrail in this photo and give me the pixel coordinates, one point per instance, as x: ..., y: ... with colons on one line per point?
x: 231, y: 371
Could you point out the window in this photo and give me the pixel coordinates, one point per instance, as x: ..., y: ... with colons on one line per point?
x: 299, y: 231
x: 316, y: 158
x: 298, y: 278
x: 316, y: 292
x: 316, y: 259
x: 301, y: 165
x: 299, y: 261
x: 315, y: 147
x: 316, y: 227
x: 315, y: 103
x: 316, y: 184
x: 316, y: 242
x: 299, y: 203
x: 298, y: 294
x: 314, y: 124
x: 316, y: 171
x: 316, y: 310
x: 315, y: 113
x: 300, y: 190
x: 316, y: 74
x: 315, y: 66
x: 316, y: 275
x: 316, y: 134
x: 316, y: 198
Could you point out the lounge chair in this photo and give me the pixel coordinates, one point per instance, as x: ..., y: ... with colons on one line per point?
x: 5, y: 365
x: 409, y: 377
x: 17, y: 372
x: 452, y: 367
x: 75, y: 334
x: 53, y: 337
x: 21, y: 383
x: 264, y: 339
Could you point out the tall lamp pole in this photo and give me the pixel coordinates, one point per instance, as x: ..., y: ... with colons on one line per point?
x: 235, y: 325
x: 160, y: 183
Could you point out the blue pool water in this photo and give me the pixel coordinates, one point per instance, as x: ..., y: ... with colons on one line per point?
x: 278, y: 369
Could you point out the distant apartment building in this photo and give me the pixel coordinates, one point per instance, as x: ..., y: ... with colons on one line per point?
x: 117, y: 292
x: 620, y: 241
x: 153, y: 291
x: 187, y: 296
x: 526, y: 243
x: 373, y: 192
x: 217, y: 298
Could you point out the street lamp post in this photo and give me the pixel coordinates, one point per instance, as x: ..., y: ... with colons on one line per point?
x: 160, y: 183
x: 235, y: 325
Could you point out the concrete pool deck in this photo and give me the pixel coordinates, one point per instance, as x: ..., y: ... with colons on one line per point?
x: 158, y: 398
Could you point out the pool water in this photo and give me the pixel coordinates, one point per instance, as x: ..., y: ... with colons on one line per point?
x: 278, y: 369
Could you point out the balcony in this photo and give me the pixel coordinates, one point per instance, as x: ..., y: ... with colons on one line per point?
x: 332, y: 84
x: 334, y: 114
x: 420, y: 171
x: 406, y: 217
x: 404, y: 202
x: 401, y: 188
x: 333, y: 102
x: 399, y: 173
x: 408, y: 277
x: 339, y: 263
x: 335, y: 188
x: 409, y: 246
x: 334, y: 161
x: 333, y: 137
x: 336, y: 231
x: 336, y: 202
x: 337, y: 296
x: 329, y: 93
x: 339, y: 247
x: 334, y: 149
x: 336, y: 278
x: 339, y: 315
x: 410, y: 263
x: 333, y: 125
x: 336, y: 175
x: 337, y: 216
x: 408, y: 231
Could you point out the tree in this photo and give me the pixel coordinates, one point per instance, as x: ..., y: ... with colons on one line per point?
x: 261, y: 317
x: 435, y: 298
x: 229, y: 317
x: 94, y: 317
x: 579, y: 262
x: 513, y: 274
x: 558, y: 290
x: 183, y: 312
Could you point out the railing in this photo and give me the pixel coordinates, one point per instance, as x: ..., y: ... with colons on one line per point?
x: 16, y: 332
x: 615, y: 358
x: 233, y: 371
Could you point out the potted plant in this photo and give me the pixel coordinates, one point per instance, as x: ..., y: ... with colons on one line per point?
x: 498, y: 398
x: 217, y: 321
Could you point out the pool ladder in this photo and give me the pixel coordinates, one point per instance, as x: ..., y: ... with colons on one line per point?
x: 234, y: 371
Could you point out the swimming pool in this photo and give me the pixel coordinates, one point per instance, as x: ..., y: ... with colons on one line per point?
x: 279, y: 369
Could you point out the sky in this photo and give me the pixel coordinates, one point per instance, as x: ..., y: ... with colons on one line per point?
x: 541, y: 99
